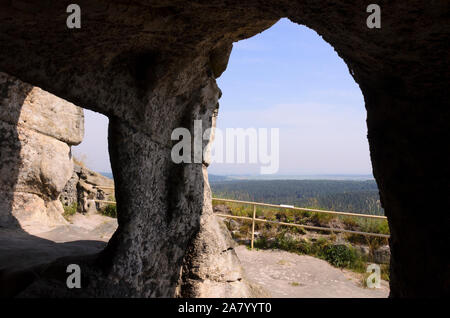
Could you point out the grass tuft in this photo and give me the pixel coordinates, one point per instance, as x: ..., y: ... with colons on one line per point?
x: 70, y: 211
x: 110, y: 210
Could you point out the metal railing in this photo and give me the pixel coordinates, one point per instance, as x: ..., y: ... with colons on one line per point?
x: 254, y: 219
x: 311, y: 227
x: 106, y: 188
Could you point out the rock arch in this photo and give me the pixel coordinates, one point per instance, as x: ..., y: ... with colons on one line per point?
x: 151, y: 66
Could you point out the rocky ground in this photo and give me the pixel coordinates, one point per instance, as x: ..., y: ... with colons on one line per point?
x: 280, y: 273
x: 39, y: 244
x: 289, y: 275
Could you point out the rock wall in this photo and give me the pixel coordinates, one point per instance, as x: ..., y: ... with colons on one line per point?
x: 211, y: 267
x: 36, y: 132
x: 155, y: 70
x: 47, y: 126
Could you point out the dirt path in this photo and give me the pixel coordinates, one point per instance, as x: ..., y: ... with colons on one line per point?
x: 288, y: 275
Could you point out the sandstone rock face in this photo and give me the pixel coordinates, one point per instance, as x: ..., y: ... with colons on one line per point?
x: 382, y: 255
x: 69, y: 194
x: 84, y: 187
x: 155, y: 70
x: 37, y: 129
x: 211, y: 267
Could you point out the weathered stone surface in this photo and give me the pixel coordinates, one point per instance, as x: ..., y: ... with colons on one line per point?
x: 35, y: 157
x: 46, y: 164
x: 41, y: 112
x: 31, y: 209
x: 85, y: 186
x: 148, y: 73
x: 211, y: 267
x: 69, y: 194
x: 382, y: 255
x: 90, y: 187
x: 94, y: 178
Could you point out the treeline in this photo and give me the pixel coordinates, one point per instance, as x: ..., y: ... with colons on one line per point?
x: 337, y: 195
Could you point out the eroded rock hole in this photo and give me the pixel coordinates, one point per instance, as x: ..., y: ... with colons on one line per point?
x: 52, y: 204
x: 288, y: 78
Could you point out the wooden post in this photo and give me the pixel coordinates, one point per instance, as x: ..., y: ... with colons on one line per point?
x: 253, y: 225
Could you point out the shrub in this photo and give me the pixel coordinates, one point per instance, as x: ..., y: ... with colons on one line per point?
x: 245, y: 228
x: 297, y: 230
x: 374, y: 226
x: 321, y: 219
x: 371, y: 226
x: 350, y: 222
x: 340, y: 255
x: 305, y: 214
x: 385, y: 274
x: 70, y: 211
x: 305, y: 247
x: 261, y: 243
x: 110, y: 210
x: 286, y: 244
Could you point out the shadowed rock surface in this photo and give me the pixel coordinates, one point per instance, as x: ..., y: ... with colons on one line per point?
x: 150, y: 66
x: 37, y: 130
x: 25, y: 254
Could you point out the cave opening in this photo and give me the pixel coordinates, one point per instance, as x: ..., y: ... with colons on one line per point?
x: 399, y: 68
x: 289, y: 79
x: 59, y: 201
x: 92, y: 193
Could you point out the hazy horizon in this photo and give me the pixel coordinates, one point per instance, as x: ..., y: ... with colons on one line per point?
x: 236, y: 177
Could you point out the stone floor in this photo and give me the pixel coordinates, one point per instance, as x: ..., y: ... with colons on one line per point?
x: 288, y: 275
x: 36, y: 244
x: 281, y: 273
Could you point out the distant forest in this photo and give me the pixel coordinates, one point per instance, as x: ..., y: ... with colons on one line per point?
x: 336, y: 195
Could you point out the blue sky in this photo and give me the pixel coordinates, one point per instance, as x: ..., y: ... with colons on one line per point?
x: 289, y: 78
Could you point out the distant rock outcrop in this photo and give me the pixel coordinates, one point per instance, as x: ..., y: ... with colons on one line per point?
x: 84, y: 187
x: 36, y: 132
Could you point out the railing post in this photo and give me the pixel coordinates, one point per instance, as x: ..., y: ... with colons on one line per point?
x: 253, y: 225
